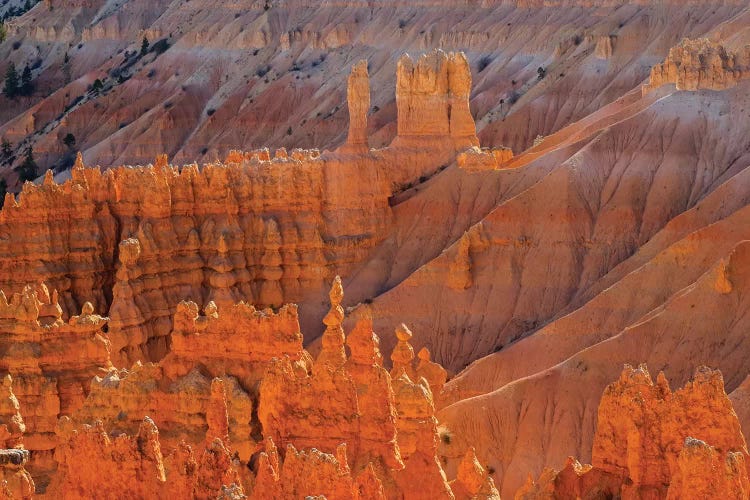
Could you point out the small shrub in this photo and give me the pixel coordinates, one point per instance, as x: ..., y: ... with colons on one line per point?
x: 96, y: 87
x: 490, y: 470
x: 289, y: 131
x: 16, y: 45
x: 577, y: 39
x: 160, y: 47
x: 69, y: 140
x: 445, y: 437
x: 541, y: 73
x: 402, y: 23
x: 210, y: 111
x: 483, y: 63
x: 263, y: 71
x: 151, y: 73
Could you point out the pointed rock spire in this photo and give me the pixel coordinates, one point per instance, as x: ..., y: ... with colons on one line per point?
x: 332, y: 353
x: 358, y: 98
x: 403, y: 354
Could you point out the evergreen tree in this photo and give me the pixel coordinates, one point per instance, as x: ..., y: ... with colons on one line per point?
x: 69, y: 140
x: 3, y: 190
x: 97, y: 86
x: 144, y: 46
x: 27, y: 86
x: 6, y: 149
x: 27, y: 169
x: 11, y: 82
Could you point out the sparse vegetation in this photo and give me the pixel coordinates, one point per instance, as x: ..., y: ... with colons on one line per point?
x: 27, y: 169
x: 96, y: 87
x: 27, y: 83
x: 446, y: 437
x: 3, y: 190
x: 144, y: 46
x: 11, y: 87
x: 69, y: 140
x: 483, y: 63
x: 541, y: 73
x: 6, y: 150
x: 263, y: 71
x: 160, y: 47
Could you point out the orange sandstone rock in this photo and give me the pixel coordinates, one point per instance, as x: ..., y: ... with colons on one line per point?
x: 15, y: 482
x: 95, y: 464
x: 358, y: 98
x: 473, y: 481
x: 432, y: 96
x: 700, y: 64
x: 12, y: 426
x: 51, y: 363
x: 644, y: 446
x: 475, y: 159
x: 403, y: 354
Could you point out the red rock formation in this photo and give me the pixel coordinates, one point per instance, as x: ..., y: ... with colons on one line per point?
x: 472, y: 480
x: 12, y: 426
x: 644, y: 444
x: 700, y: 64
x: 51, y: 363
x: 94, y: 464
x: 15, y: 482
x: 477, y: 160
x: 358, y: 98
x: 432, y: 96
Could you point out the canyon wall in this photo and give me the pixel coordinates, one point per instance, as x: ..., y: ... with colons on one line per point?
x: 267, y: 230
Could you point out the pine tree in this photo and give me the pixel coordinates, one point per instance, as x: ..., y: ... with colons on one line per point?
x: 144, y: 46
x: 69, y: 140
x: 3, y: 190
x: 6, y: 150
x: 11, y: 82
x: 27, y: 169
x: 27, y: 86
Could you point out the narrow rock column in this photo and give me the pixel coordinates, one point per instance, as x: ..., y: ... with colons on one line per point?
x: 332, y: 354
x: 358, y: 98
x: 403, y: 354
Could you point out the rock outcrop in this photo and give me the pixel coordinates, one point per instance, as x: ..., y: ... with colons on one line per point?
x: 358, y: 98
x: 51, y: 363
x: 432, y: 96
x: 477, y: 160
x: 15, y: 482
x: 652, y: 442
x: 95, y: 464
x: 701, y: 64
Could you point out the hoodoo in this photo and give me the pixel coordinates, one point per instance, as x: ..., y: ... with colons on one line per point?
x: 350, y: 250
